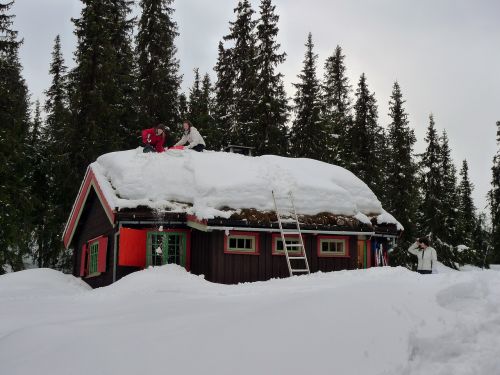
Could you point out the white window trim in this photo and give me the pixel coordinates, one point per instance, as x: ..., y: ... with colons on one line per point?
x: 294, y: 250
x: 253, y: 238
x: 330, y: 241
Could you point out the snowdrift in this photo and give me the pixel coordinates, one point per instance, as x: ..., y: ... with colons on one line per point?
x: 164, y: 320
x: 206, y: 184
x: 40, y: 283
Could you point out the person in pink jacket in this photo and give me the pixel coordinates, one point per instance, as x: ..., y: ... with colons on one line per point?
x: 154, y: 138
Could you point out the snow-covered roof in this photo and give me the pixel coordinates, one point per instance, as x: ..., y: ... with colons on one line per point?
x: 207, y: 184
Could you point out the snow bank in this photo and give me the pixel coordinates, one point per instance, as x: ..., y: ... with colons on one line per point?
x: 42, y: 282
x: 441, y: 268
x: 211, y: 181
x: 163, y: 320
x: 153, y: 280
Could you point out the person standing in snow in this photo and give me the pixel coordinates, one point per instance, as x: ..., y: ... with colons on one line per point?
x: 427, y: 256
x: 154, y: 138
x: 192, y: 136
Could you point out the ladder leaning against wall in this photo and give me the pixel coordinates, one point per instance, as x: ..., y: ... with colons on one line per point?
x: 286, y: 213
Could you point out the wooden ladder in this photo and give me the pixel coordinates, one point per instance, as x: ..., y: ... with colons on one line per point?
x: 288, y: 212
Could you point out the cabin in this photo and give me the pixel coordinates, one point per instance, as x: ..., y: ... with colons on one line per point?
x: 213, y: 214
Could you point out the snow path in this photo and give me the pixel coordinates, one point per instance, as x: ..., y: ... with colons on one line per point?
x: 164, y: 320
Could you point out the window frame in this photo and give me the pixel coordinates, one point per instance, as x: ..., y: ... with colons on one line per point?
x: 93, y: 258
x: 243, y: 235
x: 95, y: 267
x: 184, y: 246
x: 333, y: 239
x: 277, y: 237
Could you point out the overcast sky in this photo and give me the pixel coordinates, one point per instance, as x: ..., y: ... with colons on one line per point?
x: 444, y: 53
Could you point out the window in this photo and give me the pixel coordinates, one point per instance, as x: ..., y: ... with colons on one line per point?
x: 94, y: 254
x: 93, y: 258
x: 333, y: 246
x: 242, y: 243
x: 277, y: 246
x: 168, y: 247
x: 156, y: 249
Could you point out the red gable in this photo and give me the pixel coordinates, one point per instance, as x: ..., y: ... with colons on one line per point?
x: 88, y: 182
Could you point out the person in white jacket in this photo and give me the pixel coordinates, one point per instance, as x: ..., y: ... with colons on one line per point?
x: 192, y: 136
x: 426, y: 255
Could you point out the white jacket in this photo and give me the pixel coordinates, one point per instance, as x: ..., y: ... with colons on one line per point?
x: 193, y: 137
x: 426, y: 258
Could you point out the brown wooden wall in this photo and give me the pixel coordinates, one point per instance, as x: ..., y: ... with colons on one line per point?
x: 93, y: 223
x: 207, y: 253
x: 208, y: 258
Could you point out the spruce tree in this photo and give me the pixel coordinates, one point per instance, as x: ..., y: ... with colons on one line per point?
x: 449, y: 205
x: 56, y: 105
x: 38, y: 179
x: 58, y: 127
x: 336, y: 108
x: 481, y: 241
x: 200, y: 106
x: 194, y: 104
x: 206, y: 121
x: 431, y: 216
x: 36, y: 127
x: 207, y: 104
x: 494, y: 202
x: 243, y: 63
x: 272, y: 106
x: 439, y: 218
x: 467, y: 211
x: 158, y: 67
x: 183, y: 106
x: 366, y: 140
x: 224, y: 107
x: 380, y: 162
x: 8, y: 41
x: 47, y: 218
x: 307, y: 134
x: 56, y: 162
x: 401, y: 181
x: 102, y: 83
x: 15, y: 205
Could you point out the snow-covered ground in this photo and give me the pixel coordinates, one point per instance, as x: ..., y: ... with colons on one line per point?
x: 166, y: 321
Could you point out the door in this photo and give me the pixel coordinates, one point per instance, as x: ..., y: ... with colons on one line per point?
x: 166, y: 248
x: 362, y: 254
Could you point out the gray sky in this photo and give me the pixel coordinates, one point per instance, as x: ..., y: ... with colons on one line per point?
x: 444, y: 53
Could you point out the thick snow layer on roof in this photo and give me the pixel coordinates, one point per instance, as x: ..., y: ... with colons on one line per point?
x: 205, y: 183
x: 386, y: 217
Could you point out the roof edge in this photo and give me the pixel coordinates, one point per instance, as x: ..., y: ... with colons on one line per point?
x: 89, y: 181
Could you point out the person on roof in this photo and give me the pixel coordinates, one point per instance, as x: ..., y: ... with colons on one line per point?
x: 427, y: 256
x: 154, y: 138
x: 192, y: 136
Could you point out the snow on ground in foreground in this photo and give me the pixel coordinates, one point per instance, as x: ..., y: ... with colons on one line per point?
x: 166, y: 321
